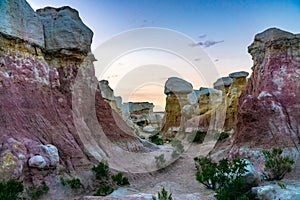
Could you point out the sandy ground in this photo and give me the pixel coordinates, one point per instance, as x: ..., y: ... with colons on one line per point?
x: 178, y: 177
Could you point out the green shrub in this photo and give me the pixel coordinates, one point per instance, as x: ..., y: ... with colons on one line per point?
x: 179, y: 149
x: 207, y: 172
x: 163, y: 195
x: 73, y: 183
x: 281, y: 185
x: 10, y: 190
x: 160, y: 161
x: 225, y: 177
x: 156, y: 139
x: 101, y: 170
x: 104, y: 190
x: 35, y: 192
x: 277, y: 165
x: 120, y: 179
x: 223, y: 136
x: 197, y: 136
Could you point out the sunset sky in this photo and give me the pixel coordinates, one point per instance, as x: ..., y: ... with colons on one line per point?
x: 213, y: 34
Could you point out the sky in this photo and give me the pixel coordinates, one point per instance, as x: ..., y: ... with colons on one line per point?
x: 219, y: 31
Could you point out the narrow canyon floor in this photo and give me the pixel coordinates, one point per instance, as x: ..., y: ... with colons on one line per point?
x: 178, y: 178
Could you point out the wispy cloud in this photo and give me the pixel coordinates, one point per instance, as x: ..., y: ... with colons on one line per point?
x: 207, y: 43
x: 202, y: 36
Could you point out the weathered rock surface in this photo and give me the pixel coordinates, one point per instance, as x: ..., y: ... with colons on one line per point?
x: 50, y: 95
x: 275, y: 192
x: 64, y: 31
x: 108, y: 95
x: 177, y: 86
x: 177, y: 91
x: 20, y: 21
x: 268, y: 111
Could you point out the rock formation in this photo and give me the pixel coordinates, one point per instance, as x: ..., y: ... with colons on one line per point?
x: 268, y: 109
x: 50, y: 102
x: 176, y: 90
x: 217, y: 107
x: 108, y: 95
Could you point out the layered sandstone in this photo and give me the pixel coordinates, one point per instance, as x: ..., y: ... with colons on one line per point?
x: 52, y: 114
x: 268, y: 111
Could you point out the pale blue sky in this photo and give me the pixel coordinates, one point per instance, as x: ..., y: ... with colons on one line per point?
x: 233, y: 22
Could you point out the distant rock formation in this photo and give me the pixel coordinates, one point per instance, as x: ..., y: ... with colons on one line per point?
x: 268, y: 109
x: 108, y: 95
x: 176, y: 90
x: 52, y: 114
x: 217, y: 107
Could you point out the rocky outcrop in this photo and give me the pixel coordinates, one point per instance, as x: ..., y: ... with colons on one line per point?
x: 108, y: 95
x: 217, y: 107
x: 52, y: 114
x: 176, y: 90
x: 61, y: 37
x: 19, y: 20
x: 268, y: 109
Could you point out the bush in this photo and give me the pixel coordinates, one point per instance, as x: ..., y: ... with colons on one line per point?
x: 163, y: 195
x: 160, y: 161
x: 104, y: 190
x: 36, y: 192
x: 73, y: 183
x: 197, y: 136
x: 156, y: 139
x: 276, y: 165
x: 10, y: 190
x: 223, y: 136
x: 101, y: 170
x: 225, y: 177
x: 120, y: 179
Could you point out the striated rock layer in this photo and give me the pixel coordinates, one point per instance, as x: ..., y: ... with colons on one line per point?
x: 268, y: 111
x: 53, y: 119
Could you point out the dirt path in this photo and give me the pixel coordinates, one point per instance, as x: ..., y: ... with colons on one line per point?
x: 179, y: 177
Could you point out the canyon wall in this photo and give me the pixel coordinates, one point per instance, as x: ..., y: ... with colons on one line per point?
x: 53, y: 117
x: 268, y: 109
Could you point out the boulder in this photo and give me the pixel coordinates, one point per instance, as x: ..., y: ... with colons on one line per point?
x: 19, y: 20
x: 64, y: 30
x: 37, y: 161
x: 177, y: 86
x: 149, y: 129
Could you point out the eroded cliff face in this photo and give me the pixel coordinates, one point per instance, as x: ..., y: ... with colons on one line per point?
x: 268, y: 111
x: 52, y: 114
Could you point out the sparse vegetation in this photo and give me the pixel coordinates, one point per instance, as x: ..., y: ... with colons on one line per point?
x: 104, y: 190
x: 163, y: 195
x: 10, y: 190
x: 281, y: 185
x: 105, y: 181
x: 160, y: 161
x: 35, y: 192
x: 197, y: 136
x: 101, y: 170
x: 223, y: 136
x: 225, y: 177
x: 156, y: 139
x: 277, y: 165
x: 120, y: 179
x: 179, y: 149
x: 73, y: 183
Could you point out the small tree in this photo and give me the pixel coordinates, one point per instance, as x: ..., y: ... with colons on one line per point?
x: 277, y: 165
x: 120, y: 179
x: 225, y: 177
x: 101, y: 170
x: 10, y: 190
x: 163, y: 195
